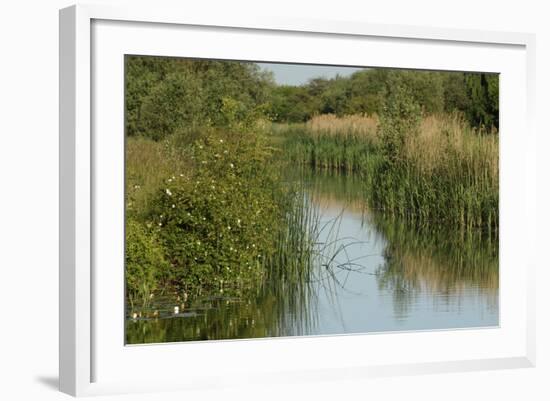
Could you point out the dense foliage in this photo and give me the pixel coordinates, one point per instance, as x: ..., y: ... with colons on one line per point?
x: 167, y: 94
x: 367, y: 91
x: 146, y: 266
x: 218, y: 225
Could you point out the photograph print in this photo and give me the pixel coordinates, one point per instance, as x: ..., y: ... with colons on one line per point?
x: 272, y: 200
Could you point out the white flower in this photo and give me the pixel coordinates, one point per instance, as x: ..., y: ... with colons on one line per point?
x: 221, y: 140
x: 168, y: 192
x: 231, y: 165
x: 173, y: 206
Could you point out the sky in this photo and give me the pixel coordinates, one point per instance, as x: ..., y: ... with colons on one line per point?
x: 298, y: 74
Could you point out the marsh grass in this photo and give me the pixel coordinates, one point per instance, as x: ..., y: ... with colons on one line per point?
x: 442, y: 172
x: 446, y: 174
x: 356, y: 126
x: 325, y: 151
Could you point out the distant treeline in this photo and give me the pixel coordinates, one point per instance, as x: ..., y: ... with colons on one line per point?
x: 167, y: 94
x: 366, y: 92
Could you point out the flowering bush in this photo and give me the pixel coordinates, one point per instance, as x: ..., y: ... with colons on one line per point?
x: 219, y: 225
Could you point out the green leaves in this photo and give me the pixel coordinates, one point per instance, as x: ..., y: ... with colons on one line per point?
x: 217, y: 224
x: 164, y: 95
x: 145, y: 263
x: 399, y: 119
x: 174, y: 102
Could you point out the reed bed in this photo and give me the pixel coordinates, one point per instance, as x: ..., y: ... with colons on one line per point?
x: 357, y: 126
x: 445, y: 172
x: 328, y: 152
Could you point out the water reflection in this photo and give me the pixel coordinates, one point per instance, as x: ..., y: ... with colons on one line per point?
x: 388, y: 277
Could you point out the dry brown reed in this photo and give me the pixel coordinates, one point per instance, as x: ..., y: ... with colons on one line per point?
x: 353, y: 125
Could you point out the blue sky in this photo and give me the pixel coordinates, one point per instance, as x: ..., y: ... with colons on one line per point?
x: 298, y: 74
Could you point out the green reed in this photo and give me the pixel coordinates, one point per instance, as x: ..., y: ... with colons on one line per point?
x: 434, y: 171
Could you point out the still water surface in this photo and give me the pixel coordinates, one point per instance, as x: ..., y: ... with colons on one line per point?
x: 388, y: 277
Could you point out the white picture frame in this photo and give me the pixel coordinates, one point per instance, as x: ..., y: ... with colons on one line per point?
x: 95, y: 361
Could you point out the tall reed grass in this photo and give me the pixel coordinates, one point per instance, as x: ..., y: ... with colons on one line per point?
x: 443, y: 173
x: 356, y: 126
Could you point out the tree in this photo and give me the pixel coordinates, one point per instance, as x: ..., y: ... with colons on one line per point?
x: 483, y: 92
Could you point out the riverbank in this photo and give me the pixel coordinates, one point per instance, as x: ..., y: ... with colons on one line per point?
x: 210, y: 214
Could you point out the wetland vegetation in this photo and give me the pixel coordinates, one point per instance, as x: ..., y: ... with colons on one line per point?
x: 358, y: 203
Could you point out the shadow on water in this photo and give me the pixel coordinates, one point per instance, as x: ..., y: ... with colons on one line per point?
x: 370, y: 275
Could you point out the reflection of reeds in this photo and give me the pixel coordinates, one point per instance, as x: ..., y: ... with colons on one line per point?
x: 435, y: 259
x: 438, y: 261
x: 333, y: 191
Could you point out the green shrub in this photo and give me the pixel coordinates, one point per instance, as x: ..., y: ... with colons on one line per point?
x: 145, y: 263
x: 175, y: 102
x: 219, y: 225
x: 399, y: 119
x: 165, y: 94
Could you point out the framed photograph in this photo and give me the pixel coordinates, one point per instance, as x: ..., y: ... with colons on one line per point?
x: 274, y: 200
